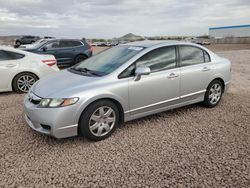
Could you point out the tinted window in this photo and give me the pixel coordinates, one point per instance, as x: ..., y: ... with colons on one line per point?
x: 130, y: 71
x: 75, y: 43
x: 52, y: 45
x: 206, y: 56
x: 7, y: 55
x: 191, y: 55
x: 65, y: 43
x: 159, y: 59
x: 69, y: 43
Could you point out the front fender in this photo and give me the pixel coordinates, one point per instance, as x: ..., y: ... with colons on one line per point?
x: 90, y: 99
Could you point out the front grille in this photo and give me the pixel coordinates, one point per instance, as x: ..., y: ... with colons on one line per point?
x: 47, y: 127
x: 36, y: 102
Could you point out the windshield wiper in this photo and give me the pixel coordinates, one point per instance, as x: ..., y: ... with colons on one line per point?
x: 86, y: 70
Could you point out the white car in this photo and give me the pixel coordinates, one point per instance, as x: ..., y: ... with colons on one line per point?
x: 19, y: 70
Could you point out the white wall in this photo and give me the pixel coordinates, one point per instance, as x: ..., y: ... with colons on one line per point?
x: 230, y: 32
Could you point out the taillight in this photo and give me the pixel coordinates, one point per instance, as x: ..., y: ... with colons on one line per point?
x: 49, y: 62
x: 90, y: 48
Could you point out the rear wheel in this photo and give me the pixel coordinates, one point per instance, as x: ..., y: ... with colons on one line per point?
x: 213, y: 94
x: 23, y: 82
x: 99, y: 120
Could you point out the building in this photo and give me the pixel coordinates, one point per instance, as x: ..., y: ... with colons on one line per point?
x: 230, y: 31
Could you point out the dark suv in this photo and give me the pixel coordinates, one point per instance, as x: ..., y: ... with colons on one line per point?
x: 67, y: 52
x: 26, y: 40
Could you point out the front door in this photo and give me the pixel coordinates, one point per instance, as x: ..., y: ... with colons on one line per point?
x: 158, y: 89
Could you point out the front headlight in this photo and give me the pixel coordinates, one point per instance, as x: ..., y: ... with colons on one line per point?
x: 53, y: 103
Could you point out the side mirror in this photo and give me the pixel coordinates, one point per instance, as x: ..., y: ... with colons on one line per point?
x: 44, y: 48
x: 141, y: 70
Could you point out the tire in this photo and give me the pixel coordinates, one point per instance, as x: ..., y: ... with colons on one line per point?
x: 213, y: 94
x: 23, y: 82
x: 93, y: 122
x: 18, y: 43
x: 78, y: 59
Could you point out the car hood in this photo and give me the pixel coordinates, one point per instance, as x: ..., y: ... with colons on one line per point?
x: 63, y: 84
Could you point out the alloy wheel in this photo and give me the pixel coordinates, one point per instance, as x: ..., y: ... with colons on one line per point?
x: 25, y: 82
x: 215, y: 93
x: 102, y: 121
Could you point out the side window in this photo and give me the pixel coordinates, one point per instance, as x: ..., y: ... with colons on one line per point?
x: 206, y: 56
x: 64, y: 43
x: 7, y: 55
x: 75, y: 43
x: 130, y: 71
x: 54, y: 44
x: 159, y: 59
x: 190, y: 55
x: 3, y: 56
x: 69, y: 43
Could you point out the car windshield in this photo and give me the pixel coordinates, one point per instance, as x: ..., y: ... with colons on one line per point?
x: 40, y: 42
x: 109, y: 60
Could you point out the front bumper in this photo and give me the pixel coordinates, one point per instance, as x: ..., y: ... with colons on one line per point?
x: 57, y: 122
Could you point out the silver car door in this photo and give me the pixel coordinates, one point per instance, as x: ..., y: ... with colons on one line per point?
x: 160, y: 87
x: 196, y: 71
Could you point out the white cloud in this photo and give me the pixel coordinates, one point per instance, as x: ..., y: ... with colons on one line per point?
x: 112, y: 18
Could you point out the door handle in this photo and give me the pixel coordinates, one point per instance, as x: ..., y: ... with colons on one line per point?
x: 205, y: 69
x: 172, y: 75
x: 10, y: 65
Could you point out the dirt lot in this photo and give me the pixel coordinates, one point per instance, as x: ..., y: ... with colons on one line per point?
x: 187, y: 147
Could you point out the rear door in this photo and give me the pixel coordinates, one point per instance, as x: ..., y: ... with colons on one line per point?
x: 69, y: 50
x: 8, y: 67
x: 196, y: 71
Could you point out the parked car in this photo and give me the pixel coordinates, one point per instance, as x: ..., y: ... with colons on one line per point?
x: 33, y: 45
x: 206, y: 42
x: 124, y: 83
x: 19, y: 70
x: 201, y: 42
x: 66, y: 51
x: 26, y: 40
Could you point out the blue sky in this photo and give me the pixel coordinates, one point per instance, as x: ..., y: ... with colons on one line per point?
x: 114, y: 18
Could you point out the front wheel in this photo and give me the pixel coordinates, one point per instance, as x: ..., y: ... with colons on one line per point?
x: 213, y: 94
x: 99, y: 120
x: 18, y: 43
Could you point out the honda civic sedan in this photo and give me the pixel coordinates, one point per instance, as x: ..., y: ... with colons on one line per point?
x: 123, y: 83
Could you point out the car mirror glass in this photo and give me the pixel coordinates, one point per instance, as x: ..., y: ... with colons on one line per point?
x: 140, y: 71
x: 44, y: 48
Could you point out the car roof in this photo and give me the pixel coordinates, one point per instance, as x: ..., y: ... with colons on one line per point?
x: 12, y: 49
x: 150, y: 43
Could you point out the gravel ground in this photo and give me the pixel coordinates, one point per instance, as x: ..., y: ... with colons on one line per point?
x: 188, y: 147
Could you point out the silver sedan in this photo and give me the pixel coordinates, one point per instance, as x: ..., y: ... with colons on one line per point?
x: 124, y: 83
